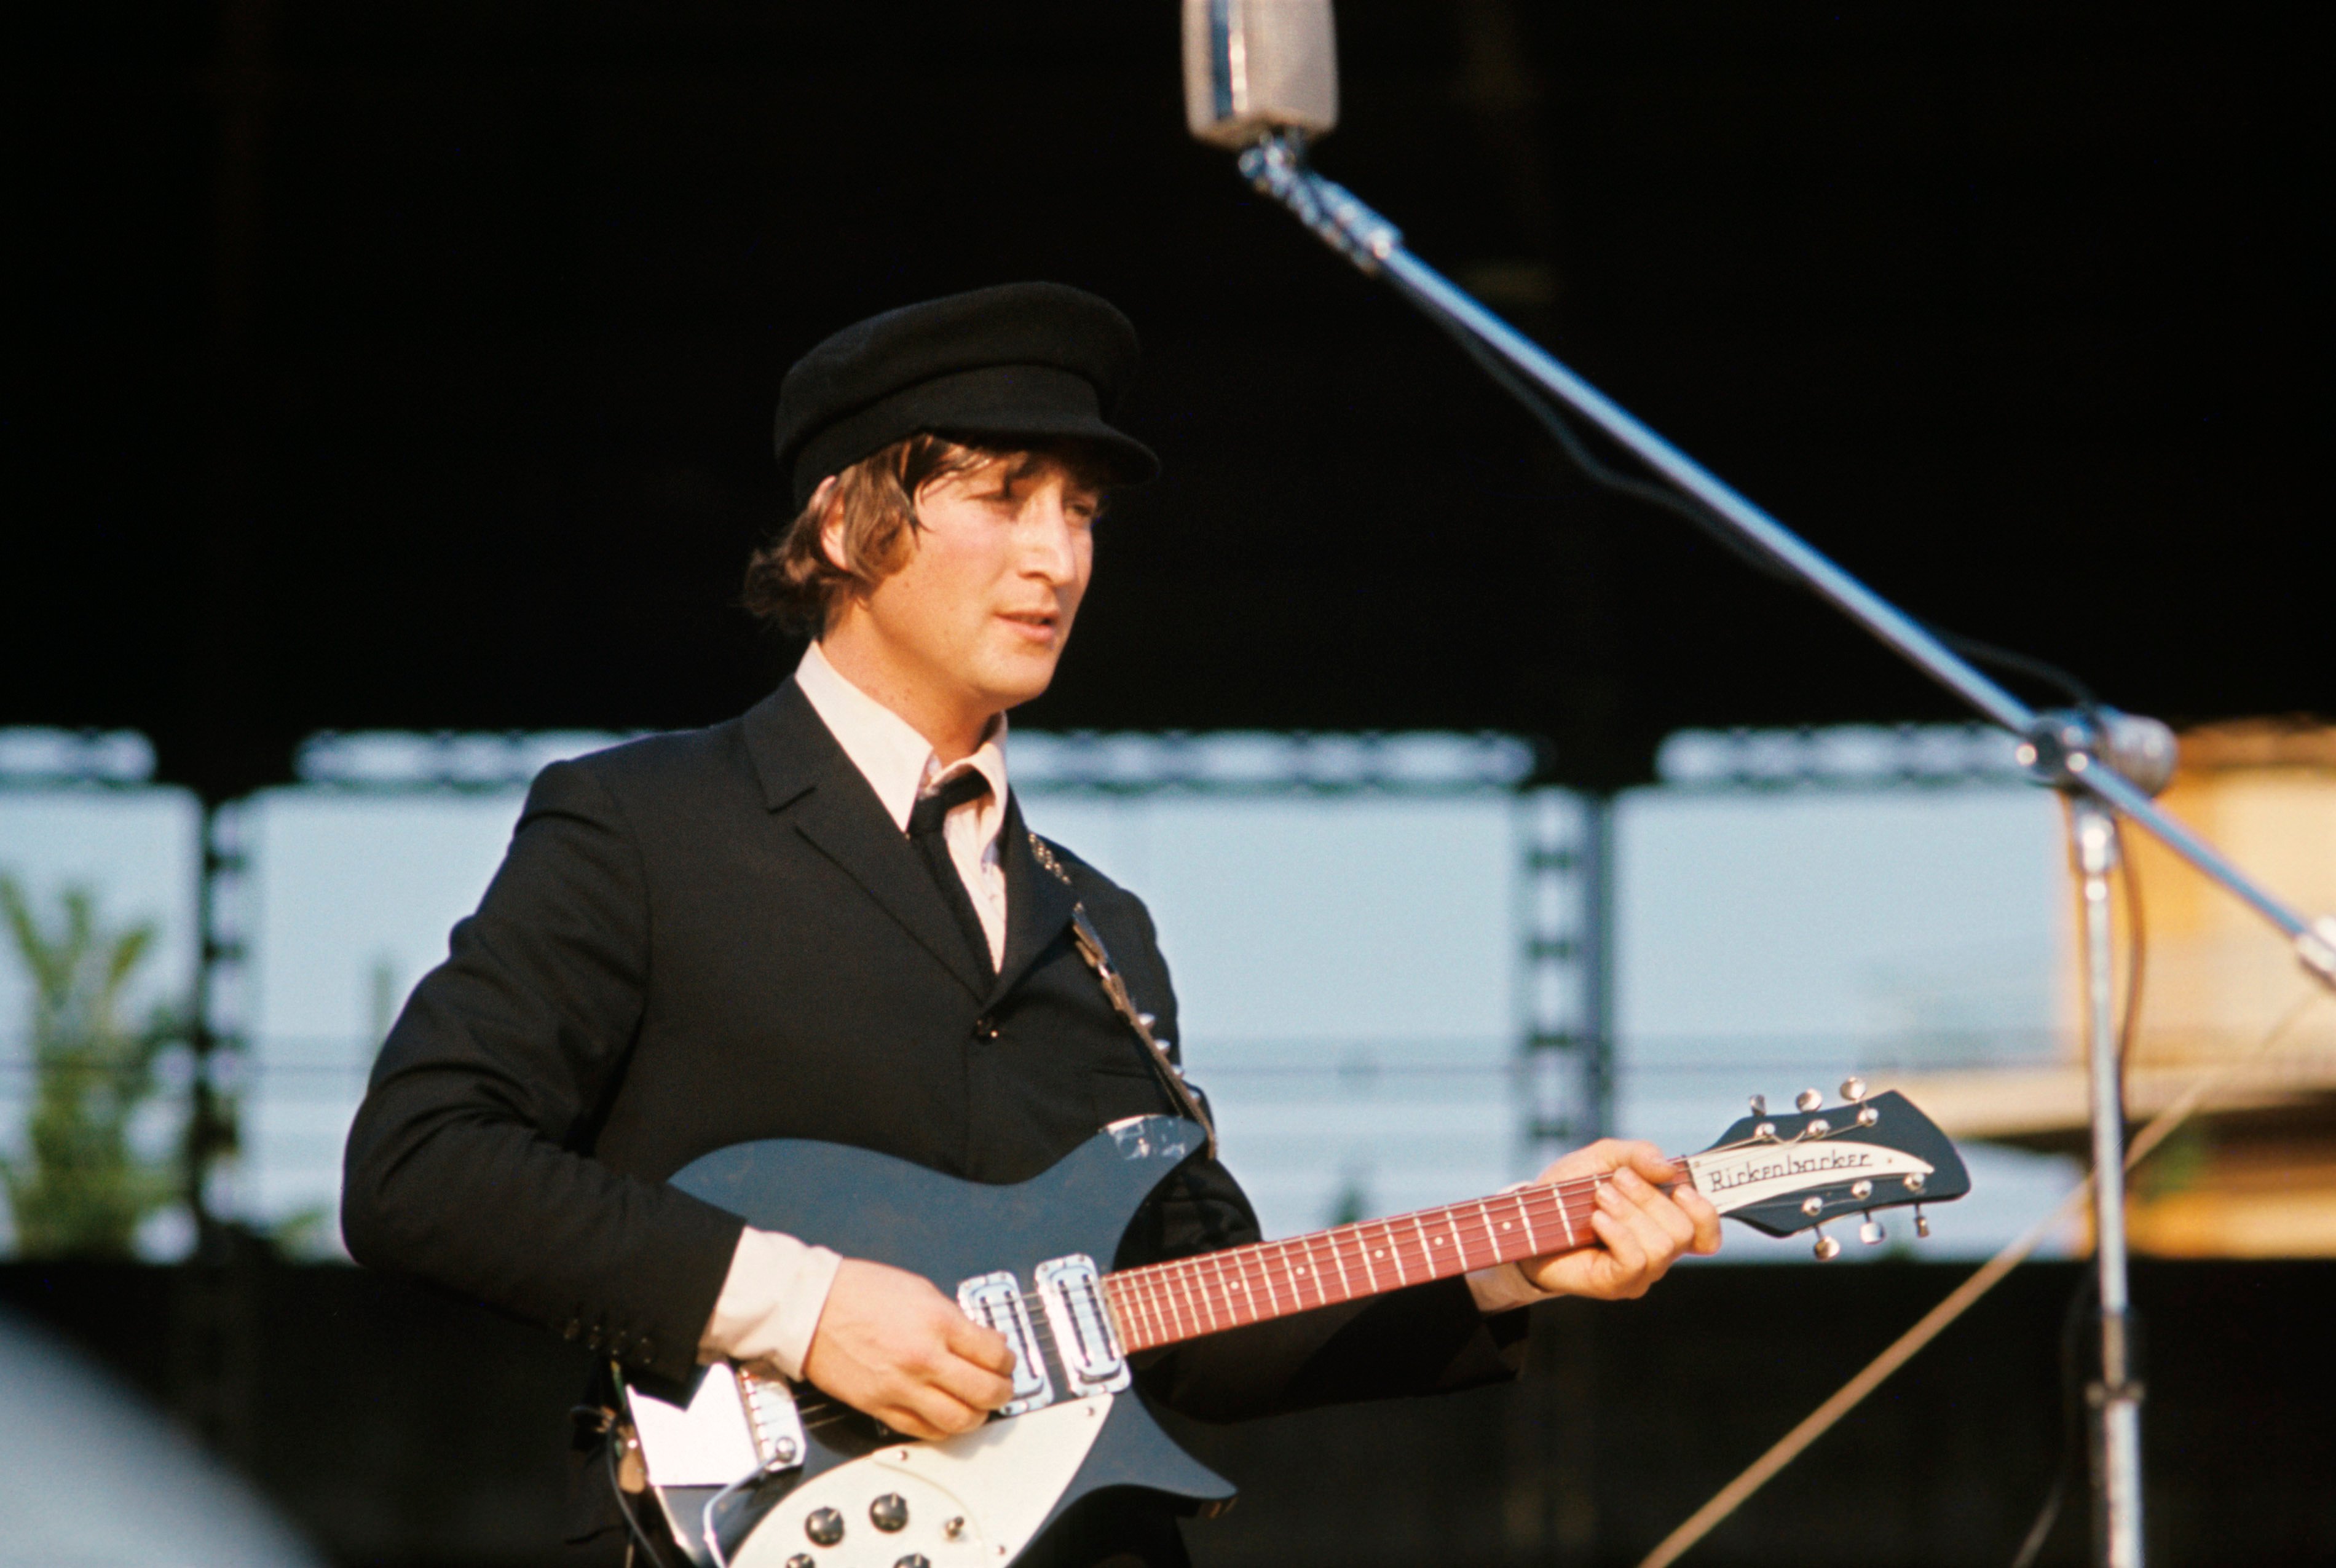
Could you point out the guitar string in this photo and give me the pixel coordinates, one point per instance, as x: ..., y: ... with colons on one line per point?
x: 1469, y: 1224
x: 1576, y: 1199
x: 1148, y: 1290
x: 1264, y: 1263
x: 1146, y: 1287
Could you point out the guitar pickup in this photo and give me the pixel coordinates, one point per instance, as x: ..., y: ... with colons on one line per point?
x: 1071, y: 1290
x: 995, y: 1302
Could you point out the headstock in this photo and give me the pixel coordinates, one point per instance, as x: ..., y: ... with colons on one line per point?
x: 1794, y: 1172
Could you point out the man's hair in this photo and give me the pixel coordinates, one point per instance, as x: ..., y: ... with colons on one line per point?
x: 792, y: 582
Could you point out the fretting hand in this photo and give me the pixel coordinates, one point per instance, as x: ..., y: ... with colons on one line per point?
x: 1642, y: 1229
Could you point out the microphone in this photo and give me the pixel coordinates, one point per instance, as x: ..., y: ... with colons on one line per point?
x: 1253, y: 67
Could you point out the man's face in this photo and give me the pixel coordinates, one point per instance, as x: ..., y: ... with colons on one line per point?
x: 979, y: 614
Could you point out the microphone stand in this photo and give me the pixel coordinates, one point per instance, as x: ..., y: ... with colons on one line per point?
x: 2071, y: 753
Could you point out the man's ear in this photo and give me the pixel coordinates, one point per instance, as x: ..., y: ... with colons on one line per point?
x: 831, y: 523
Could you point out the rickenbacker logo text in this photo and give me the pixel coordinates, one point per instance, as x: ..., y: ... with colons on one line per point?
x: 1740, y: 1177
x: 1791, y: 1165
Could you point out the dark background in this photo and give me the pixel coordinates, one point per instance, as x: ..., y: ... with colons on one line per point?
x: 411, y: 365
x: 398, y: 1428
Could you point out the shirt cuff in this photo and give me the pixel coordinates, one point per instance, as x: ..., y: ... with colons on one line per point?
x: 770, y: 1302
x: 1502, y: 1288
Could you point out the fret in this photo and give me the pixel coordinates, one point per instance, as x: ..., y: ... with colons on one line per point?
x: 1212, y: 1298
x: 1164, y: 1304
x: 1236, y: 1293
x: 1178, y: 1272
x: 1244, y: 1287
x: 1126, y: 1325
x: 1148, y: 1304
x: 1154, y: 1304
x: 1147, y: 1292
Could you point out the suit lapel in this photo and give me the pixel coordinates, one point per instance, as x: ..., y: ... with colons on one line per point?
x: 1037, y: 902
x: 803, y: 768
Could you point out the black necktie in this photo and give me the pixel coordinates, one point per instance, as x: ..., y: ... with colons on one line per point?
x: 925, y: 820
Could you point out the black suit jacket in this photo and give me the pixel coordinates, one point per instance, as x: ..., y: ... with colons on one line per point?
x: 715, y: 936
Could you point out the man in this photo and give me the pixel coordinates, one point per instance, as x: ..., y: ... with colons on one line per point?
x: 825, y: 919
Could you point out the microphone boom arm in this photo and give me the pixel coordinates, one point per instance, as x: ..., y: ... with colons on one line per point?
x: 1276, y: 166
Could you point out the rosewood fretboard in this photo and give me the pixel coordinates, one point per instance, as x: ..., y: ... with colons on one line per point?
x: 1163, y: 1303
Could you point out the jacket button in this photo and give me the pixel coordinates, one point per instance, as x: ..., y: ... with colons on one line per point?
x: 572, y: 1330
x: 643, y: 1353
x: 985, y: 1027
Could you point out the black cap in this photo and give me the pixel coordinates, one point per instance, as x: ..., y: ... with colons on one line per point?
x: 1026, y: 361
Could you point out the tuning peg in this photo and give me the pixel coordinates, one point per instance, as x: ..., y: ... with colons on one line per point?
x: 1922, y: 1225
x: 1807, y: 1100
x: 1853, y: 1089
x: 1759, y: 1105
x: 1872, y: 1231
x: 1827, y: 1249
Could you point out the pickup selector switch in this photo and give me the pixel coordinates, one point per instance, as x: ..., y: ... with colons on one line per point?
x: 889, y: 1512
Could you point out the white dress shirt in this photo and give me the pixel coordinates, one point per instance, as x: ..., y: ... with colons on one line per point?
x: 777, y: 1286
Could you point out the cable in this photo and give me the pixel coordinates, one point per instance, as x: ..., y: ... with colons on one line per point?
x: 1790, y: 1447
x: 648, y: 1551
x: 2072, y: 1419
x: 2087, y: 1290
x: 1538, y: 403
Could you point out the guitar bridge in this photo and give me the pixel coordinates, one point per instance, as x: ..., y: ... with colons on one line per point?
x: 995, y: 1302
x: 1071, y: 1290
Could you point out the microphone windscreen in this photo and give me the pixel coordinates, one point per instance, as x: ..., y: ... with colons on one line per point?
x: 1253, y: 67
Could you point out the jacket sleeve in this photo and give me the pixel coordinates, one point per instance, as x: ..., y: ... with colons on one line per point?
x: 470, y: 1166
x: 1429, y: 1340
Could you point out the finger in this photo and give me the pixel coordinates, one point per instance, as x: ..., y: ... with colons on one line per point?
x: 1623, y: 1244
x: 944, y: 1412
x: 981, y: 1345
x: 1644, y: 1219
x: 908, y: 1423
x: 1656, y: 1205
x: 1706, y: 1218
x: 1651, y: 1162
x: 970, y: 1384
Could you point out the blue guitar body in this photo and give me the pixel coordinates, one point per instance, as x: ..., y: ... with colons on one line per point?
x: 951, y: 1232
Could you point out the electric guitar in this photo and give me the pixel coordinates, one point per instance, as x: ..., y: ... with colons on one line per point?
x: 751, y: 1473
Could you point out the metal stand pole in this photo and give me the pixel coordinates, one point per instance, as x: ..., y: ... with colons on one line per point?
x: 2115, y: 1398
x: 2070, y: 752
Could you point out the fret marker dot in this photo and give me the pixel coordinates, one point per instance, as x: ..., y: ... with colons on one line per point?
x: 1376, y: 1253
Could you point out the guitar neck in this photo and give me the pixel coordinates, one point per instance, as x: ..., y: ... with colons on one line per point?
x: 1186, y: 1298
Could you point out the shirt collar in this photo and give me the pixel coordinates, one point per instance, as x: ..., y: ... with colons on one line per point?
x: 897, y: 762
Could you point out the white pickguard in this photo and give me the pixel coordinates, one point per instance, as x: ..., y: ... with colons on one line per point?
x: 1739, y: 1177
x: 999, y: 1484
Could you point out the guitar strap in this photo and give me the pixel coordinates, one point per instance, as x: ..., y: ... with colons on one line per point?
x: 1090, y: 944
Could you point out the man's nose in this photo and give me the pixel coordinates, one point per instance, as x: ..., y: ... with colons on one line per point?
x: 1046, y: 529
